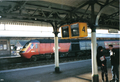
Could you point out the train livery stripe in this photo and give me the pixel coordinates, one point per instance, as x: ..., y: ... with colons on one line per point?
x: 28, y: 48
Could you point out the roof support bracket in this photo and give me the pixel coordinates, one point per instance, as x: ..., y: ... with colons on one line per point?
x: 98, y: 16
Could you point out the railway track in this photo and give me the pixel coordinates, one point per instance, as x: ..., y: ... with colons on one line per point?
x: 27, y: 63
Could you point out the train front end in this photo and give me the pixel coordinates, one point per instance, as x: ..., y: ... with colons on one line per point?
x: 24, y: 51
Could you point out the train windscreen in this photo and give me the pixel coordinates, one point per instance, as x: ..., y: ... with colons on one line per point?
x: 26, y: 45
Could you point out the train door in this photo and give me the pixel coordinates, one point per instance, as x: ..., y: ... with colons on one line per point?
x: 37, y: 50
x: 75, y: 46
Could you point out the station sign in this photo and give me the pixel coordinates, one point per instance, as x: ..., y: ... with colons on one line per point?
x: 65, y: 31
x: 112, y: 31
x: 74, y: 30
x: 78, y: 29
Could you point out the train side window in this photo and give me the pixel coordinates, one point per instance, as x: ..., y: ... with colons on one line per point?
x: 118, y: 43
x: 114, y: 43
x: 109, y: 43
x: 31, y: 46
x: 36, y: 45
x: 82, y: 45
x: 105, y: 43
x: 88, y: 45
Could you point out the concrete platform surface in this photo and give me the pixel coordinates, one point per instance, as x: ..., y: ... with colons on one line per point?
x: 79, y: 71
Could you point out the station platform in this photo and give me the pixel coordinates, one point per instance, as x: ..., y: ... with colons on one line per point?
x: 62, y: 77
x: 85, y: 77
x: 10, y: 56
x: 78, y: 71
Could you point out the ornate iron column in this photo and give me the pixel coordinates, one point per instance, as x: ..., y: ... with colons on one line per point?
x: 56, y: 31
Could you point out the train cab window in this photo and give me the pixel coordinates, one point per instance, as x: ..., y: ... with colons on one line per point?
x: 26, y: 45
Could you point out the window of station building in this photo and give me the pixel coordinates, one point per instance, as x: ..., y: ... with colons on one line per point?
x: 75, y: 29
x: 65, y: 31
x: 3, y: 45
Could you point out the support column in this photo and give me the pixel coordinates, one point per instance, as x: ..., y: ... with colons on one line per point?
x: 9, y: 47
x: 57, y: 70
x: 95, y: 77
x: 56, y: 53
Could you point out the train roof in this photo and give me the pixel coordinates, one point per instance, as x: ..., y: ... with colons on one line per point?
x: 65, y: 40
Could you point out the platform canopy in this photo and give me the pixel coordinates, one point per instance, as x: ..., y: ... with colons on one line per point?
x: 60, y: 11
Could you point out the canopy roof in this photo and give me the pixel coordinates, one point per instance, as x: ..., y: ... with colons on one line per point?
x: 60, y: 11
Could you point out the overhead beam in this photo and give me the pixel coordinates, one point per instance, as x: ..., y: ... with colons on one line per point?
x: 114, y: 14
x: 19, y: 20
x: 108, y: 26
x: 80, y: 6
x: 99, y: 14
x: 107, y: 1
x: 85, y: 11
x: 23, y: 5
x: 11, y: 9
x: 35, y: 11
x: 46, y: 8
x: 26, y: 16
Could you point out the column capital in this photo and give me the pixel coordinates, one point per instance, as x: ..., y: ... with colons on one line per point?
x: 56, y: 33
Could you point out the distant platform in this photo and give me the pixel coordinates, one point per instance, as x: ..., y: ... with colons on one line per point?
x: 11, y: 56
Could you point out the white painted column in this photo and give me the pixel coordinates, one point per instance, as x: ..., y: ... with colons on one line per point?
x: 56, y: 52
x: 95, y: 77
x: 94, y: 49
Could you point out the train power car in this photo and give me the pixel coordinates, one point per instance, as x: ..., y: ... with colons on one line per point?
x: 44, y: 48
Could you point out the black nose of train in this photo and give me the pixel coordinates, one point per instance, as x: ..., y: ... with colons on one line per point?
x: 21, y: 51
